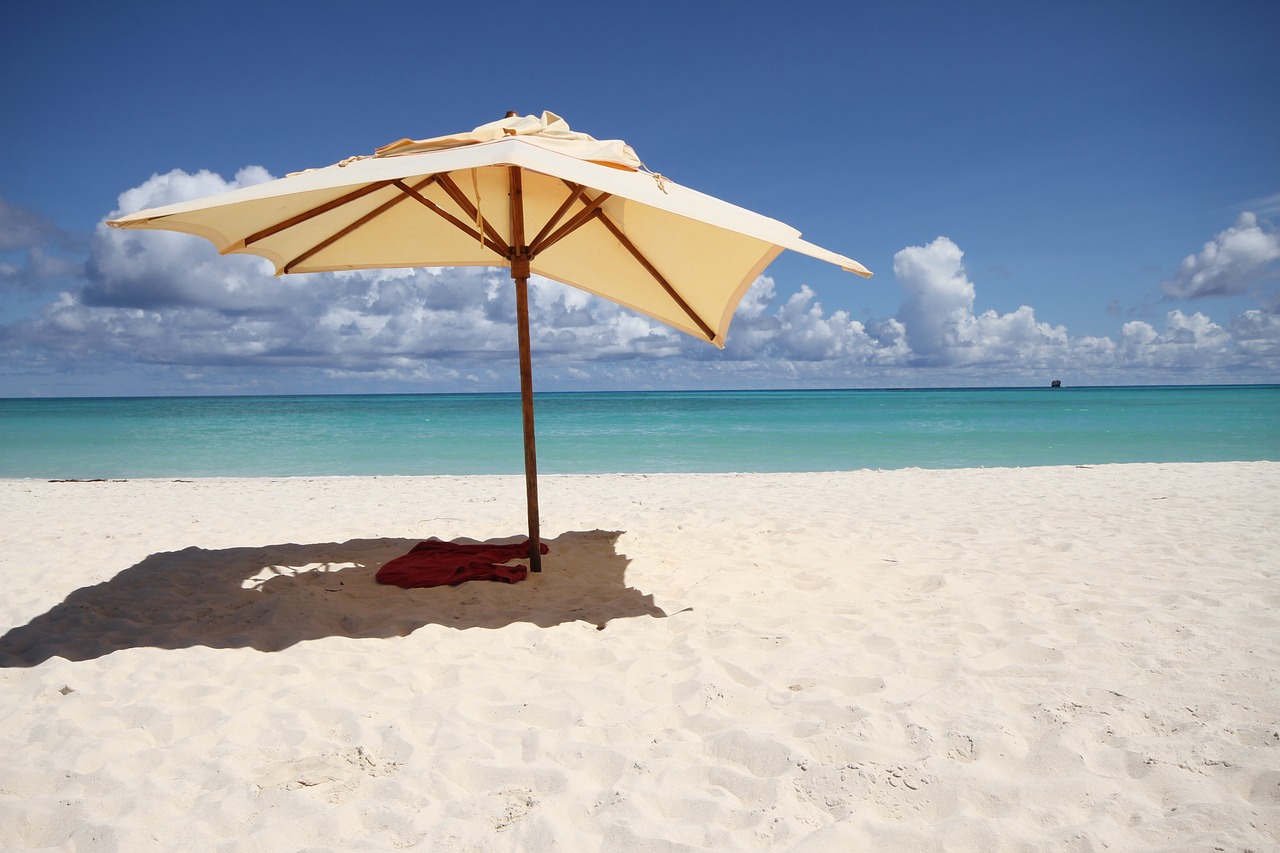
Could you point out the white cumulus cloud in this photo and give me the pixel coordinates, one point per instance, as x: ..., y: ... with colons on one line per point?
x: 938, y: 319
x: 1187, y: 342
x: 1234, y: 259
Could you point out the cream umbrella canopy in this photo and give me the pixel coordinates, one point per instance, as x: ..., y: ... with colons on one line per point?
x: 526, y: 193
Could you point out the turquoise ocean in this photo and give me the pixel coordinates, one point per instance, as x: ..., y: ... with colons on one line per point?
x: 608, y: 432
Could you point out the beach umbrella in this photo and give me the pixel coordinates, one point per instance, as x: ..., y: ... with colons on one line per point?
x: 526, y: 193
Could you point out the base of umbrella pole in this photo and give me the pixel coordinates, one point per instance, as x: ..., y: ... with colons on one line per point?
x: 526, y: 408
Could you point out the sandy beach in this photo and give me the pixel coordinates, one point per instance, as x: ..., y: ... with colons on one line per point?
x: 1071, y: 658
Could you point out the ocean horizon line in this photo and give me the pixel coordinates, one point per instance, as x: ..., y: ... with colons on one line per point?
x: 604, y: 391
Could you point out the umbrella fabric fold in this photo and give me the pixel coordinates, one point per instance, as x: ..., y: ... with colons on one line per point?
x: 547, y: 131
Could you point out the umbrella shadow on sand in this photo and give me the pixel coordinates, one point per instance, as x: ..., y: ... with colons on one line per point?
x: 272, y: 597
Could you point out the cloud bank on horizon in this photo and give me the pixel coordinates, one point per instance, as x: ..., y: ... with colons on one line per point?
x: 170, y: 306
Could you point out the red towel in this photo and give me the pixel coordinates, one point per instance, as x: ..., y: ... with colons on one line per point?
x: 437, y: 563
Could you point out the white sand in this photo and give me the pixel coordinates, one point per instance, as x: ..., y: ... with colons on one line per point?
x: 986, y: 660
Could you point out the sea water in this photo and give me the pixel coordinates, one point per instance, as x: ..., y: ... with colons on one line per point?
x: 692, y: 431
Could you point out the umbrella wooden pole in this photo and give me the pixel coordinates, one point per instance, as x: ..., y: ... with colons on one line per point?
x: 518, y: 254
x: 526, y: 407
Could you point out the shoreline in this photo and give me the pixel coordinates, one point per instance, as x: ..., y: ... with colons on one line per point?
x: 902, y: 659
x: 187, y: 478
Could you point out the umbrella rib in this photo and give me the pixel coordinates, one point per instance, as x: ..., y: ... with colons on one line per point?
x: 314, y: 212
x: 464, y: 227
x: 448, y: 185
x: 333, y: 238
x: 578, y: 192
x: 580, y: 219
x: 653, y: 271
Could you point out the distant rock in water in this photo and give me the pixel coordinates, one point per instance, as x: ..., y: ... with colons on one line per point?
x: 1057, y: 383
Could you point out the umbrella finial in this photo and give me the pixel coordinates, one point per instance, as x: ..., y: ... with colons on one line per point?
x: 512, y: 114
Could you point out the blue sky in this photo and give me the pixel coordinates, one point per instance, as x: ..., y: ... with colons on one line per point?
x: 1086, y: 191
